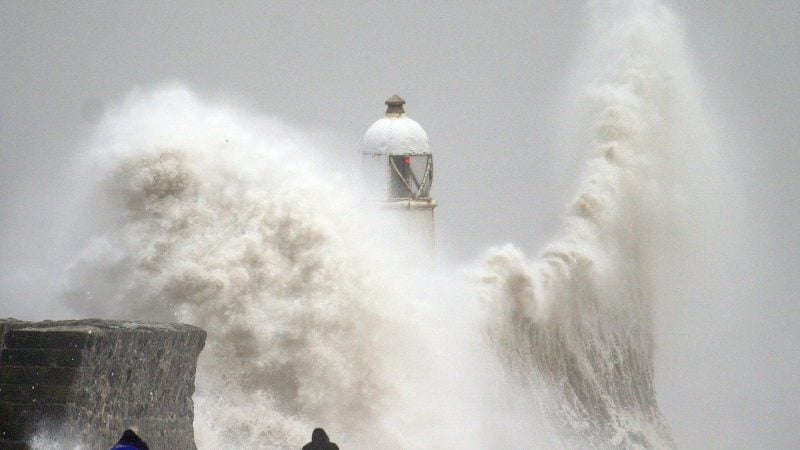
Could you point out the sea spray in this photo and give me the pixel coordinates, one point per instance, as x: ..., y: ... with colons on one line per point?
x: 575, y: 326
x: 200, y: 213
x: 211, y: 217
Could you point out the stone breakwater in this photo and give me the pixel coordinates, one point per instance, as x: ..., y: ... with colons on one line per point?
x: 87, y: 380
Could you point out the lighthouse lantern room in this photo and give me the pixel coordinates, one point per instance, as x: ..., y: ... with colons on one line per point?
x: 397, y: 165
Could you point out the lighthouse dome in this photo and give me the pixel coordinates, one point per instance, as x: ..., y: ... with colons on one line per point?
x: 395, y: 133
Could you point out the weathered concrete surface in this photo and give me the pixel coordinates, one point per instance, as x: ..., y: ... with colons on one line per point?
x: 88, y: 380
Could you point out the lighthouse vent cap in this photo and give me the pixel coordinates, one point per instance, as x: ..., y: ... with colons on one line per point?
x: 395, y: 133
x: 395, y: 105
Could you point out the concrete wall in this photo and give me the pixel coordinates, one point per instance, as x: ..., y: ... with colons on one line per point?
x: 87, y: 380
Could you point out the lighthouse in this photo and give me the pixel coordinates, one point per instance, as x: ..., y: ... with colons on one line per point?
x: 397, y: 166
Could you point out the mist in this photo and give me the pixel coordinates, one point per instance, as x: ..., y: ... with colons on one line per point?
x: 497, y: 89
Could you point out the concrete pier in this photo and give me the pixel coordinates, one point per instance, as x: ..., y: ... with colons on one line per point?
x: 88, y: 380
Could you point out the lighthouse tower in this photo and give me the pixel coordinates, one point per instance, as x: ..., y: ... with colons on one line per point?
x: 397, y: 165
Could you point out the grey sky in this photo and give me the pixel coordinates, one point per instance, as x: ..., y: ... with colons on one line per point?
x: 485, y: 79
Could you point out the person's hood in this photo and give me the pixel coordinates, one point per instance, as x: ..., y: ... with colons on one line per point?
x: 318, y: 436
x: 131, y: 440
x: 129, y: 437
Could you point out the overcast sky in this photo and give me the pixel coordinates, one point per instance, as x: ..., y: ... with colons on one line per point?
x: 487, y: 80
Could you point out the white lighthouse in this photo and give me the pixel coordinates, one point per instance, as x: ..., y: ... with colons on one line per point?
x: 398, y: 166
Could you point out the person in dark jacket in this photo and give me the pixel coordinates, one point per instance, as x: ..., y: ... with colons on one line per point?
x: 130, y: 441
x: 320, y: 441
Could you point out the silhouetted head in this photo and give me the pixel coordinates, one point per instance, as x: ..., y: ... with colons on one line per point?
x: 129, y: 437
x: 319, y: 436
